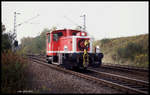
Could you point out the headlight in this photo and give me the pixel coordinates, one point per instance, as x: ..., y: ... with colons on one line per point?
x: 83, y: 34
x: 97, y: 49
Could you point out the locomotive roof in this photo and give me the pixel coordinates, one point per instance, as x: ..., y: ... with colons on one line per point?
x: 63, y: 30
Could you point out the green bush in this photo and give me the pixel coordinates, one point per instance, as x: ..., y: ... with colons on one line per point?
x: 141, y: 58
x: 126, y: 50
x: 129, y: 51
x: 13, y: 72
x: 105, y: 40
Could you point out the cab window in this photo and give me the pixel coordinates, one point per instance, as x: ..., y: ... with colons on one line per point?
x: 55, y: 37
x: 74, y: 33
x: 60, y: 34
x: 48, y: 38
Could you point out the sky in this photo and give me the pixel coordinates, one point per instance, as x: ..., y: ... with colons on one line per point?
x: 103, y: 19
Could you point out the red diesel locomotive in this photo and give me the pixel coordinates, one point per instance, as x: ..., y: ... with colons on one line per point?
x: 71, y: 49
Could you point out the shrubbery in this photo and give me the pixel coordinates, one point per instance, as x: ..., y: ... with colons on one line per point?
x: 104, y: 41
x: 13, y: 72
x: 141, y: 58
x: 132, y: 50
x: 12, y: 66
x: 129, y: 51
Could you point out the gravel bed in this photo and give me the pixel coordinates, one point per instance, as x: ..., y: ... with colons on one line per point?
x: 42, y: 79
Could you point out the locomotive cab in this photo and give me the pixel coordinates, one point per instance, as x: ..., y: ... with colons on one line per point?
x: 71, y: 48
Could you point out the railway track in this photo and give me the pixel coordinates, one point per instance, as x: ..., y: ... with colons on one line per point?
x: 133, y: 70
x: 126, y: 66
x: 120, y: 68
x: 122, y: 73
x: 121, y: 83
x: 116, y: 66
x: 128, y: 83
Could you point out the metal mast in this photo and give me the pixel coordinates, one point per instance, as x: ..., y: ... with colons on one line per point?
x: 15, y: 42
x: 16, y: 25
x: 84, y: 24
x: 15, y: 30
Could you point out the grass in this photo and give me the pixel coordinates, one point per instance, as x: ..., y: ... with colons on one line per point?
x: 13, y: 72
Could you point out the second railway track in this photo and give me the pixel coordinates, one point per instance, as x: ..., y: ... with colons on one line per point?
x: 139, y: 71
x: 127, y: 85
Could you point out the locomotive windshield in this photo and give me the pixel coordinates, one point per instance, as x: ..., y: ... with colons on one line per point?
x: 60, y: 34
x: 57, y: 35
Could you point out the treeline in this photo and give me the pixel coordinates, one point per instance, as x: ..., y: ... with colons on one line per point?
x: 34, y: 44
x: 126, y: 50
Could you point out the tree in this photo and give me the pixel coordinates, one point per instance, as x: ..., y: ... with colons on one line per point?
x: 36, y: 44
x: 7, y: 39
x: 3, y: 28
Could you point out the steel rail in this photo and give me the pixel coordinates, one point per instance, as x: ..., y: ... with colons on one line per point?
x: 126, y: 67
x: 138, y: 71
x: 136, y: 83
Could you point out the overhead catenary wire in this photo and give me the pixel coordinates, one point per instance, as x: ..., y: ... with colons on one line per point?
x: 72, y: 21
x: 16, y: 25
x: 28, y: 21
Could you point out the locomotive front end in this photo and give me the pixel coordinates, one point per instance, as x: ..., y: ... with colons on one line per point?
x: 85, y: 57
x: 82, y: 55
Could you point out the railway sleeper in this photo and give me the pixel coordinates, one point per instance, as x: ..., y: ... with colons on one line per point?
x: 136, y: 86
x: 144, y: 89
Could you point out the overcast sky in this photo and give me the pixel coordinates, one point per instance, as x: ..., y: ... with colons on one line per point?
x: 103, y: 19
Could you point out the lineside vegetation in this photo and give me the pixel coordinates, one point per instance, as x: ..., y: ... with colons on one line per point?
x: 126, y: 50
x: 13, y: 66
